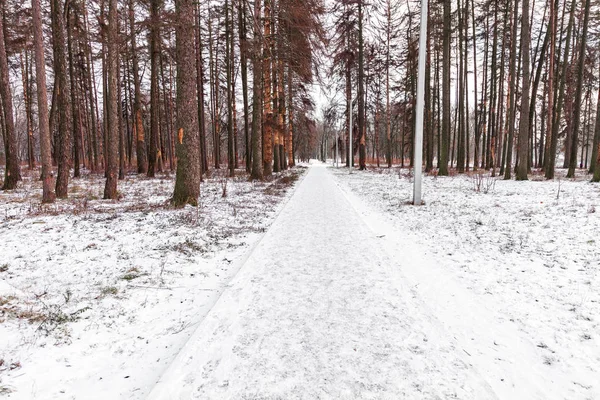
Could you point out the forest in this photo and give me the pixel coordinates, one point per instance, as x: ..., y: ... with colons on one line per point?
x: 210, y: 199
x: 145, y: 86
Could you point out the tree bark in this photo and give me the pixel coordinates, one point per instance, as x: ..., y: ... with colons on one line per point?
x: 523, y: 149
x: 112, y: 113
x: 187, y: 183
x: 257, y: 164
x: 579, y: 91
x: 154, y: 151
x: 48, y: 194
x: 445, y: 144
x: 62, y: 97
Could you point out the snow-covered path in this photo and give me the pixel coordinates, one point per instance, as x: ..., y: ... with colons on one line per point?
x: 318, y: 312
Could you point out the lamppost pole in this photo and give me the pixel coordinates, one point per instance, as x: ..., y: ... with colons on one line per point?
x: 418, y: 169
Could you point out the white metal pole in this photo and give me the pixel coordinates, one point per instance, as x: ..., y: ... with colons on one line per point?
x: 420, y: 106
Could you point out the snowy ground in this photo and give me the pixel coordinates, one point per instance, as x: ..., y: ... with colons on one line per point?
x: 97, y: 297
x: 489, y: 290
x: 512, y: 271
x: 319, y: 312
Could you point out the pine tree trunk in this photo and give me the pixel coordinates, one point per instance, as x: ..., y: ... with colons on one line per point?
x: 267, y: 99
x: 242, y: 31
x: 512, y: 89
x: 551, y: 157
x: 62, y: 97
x: 187, y: 183
x: 12, y: 173
x: 257, y: 164
x: 112, y: 113
x: 579, y: 91
x: 523, y: 149
x: 230, y: 97
x: 48, y: 195
x: 74, y: 101
x: 154, y: 151
x: 362, y: 129
x: 28, y: 114
x: 445, y: 143
x: 290, y: 128
x: 201, y: 96
x: 138, y: 123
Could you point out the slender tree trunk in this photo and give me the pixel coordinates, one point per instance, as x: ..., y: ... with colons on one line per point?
x: 138, y: 124
x: 445, y: 145
x: 48, y: 194
x: 579, y: 90
x: 242, y: 31
x: 28, y: 114
x: 595, y: 162
x: 511, y: 107
x: 12, y: 173
x: 112, y: 108
x: 257, y: 171
x: 230, y: 97
x: 477, y: 134
x: 154, y: 151
x: 290, y: 126
x: 550, y: 108
x: 267, y: 99
x: 523, y: 150
x: 201, y: 96
x: 551, y: 157
x: 74, y: 101
x: 596, y: 142
x: 362, y: 128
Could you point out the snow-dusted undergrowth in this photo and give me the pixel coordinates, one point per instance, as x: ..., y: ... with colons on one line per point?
x: 96, y: 297
x: 528, y: 250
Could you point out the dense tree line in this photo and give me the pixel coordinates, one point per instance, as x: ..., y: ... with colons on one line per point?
x: 148, y: 86
x: 113, y: 86
x: 510, y: 84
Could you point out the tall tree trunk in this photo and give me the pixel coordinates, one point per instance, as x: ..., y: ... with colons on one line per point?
x: 74, y: 101
x: 362, y: 128
x: 595, y: 163
x: 242, y: 31
x: 200, y: 90
x: 154, y: 151
x: 12, y: 173
x: 290, y: 127
x: 48, y: 194
x: 267, y: 99
x: 551, y: 156
x: 596, y: 141
x: 187, y: 182
x: 28, y: 113
x: 579, y: 90
x: 523, y: 149
x: 444, y: 151
x: 92, y: 96
x: 257, y: 171
x: 512, y: 88
x: 112, y: 112
x: 62, y: 97
x: 477, y: 135
x: 550, y: 108
x: 138, y: 124
x: 230, y: 97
